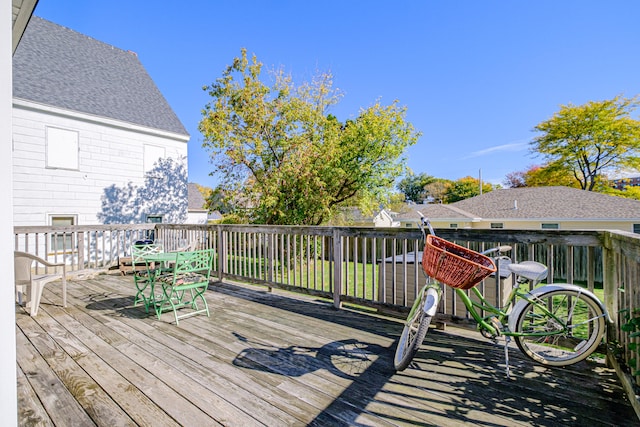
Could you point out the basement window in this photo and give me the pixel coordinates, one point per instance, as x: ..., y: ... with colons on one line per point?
x: 62, y: 241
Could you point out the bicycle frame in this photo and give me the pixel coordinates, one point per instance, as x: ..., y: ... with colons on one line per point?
x: 473, y: 307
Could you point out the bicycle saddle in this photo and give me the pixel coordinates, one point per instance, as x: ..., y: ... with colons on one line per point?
x: 529, y: 270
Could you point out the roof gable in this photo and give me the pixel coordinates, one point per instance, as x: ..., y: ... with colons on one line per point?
x: 56, y: 66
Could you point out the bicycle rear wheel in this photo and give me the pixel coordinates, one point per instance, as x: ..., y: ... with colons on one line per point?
x: 415, y: 328
x: 569, y: 337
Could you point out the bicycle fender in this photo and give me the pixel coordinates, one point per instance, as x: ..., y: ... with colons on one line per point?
x: 519, y: 306
x: 431, y: 302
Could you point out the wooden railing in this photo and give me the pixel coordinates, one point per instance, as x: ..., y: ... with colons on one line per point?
x: 371, y: 267
x: 81, y: 247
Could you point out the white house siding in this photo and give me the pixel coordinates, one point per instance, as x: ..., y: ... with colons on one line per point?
x: 197, y: 217
x: 110, y: 153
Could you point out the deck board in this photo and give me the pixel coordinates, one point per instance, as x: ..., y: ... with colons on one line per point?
x: 279, y: 359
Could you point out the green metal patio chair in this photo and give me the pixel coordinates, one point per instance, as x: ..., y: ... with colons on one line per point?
x: 186, y: 285
x: 143, y: 277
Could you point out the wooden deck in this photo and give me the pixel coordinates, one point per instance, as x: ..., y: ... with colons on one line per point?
x: 279, y: 359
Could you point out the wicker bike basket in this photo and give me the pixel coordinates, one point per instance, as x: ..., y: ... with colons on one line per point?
x: 455, y: 265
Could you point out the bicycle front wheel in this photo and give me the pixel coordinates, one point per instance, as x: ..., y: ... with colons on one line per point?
x: 572, y: 331
x: 415, y: 328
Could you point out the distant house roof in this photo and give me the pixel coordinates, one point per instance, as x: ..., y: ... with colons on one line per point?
x: 56, y: 66
x: 196, y: 199
x: 536, y: 203
x: 435, y: 210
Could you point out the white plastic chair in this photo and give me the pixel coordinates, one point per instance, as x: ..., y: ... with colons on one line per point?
x: 31, y: 285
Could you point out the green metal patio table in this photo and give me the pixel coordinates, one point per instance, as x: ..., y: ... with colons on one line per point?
x: 156, y: 263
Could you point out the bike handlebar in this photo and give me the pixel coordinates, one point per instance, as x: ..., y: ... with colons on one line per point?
x: 499, y: 249
x: 424, y: 221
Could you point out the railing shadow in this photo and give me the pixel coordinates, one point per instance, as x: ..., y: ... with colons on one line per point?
x: 453, y: 376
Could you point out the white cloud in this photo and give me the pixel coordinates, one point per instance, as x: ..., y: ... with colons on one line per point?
x: 514, y: 146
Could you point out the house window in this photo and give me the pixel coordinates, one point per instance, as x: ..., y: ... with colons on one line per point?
x: 497, y: 225
x: 151, y: 155
x: 155, y: 219
x: 636, y: 228
x: 62, y: 241
x: 550, y: 226
x: 62, y: 149
x: 453, y: 225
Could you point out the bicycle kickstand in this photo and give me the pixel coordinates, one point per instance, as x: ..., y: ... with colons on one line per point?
x: 506, y: 355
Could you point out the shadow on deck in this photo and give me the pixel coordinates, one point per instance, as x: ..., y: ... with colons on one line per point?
x: 280, y: 359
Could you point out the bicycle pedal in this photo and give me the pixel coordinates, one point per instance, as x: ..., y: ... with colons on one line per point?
x: 497, y: 325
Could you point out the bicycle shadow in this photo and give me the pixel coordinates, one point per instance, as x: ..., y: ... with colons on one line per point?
x: 348, y: 359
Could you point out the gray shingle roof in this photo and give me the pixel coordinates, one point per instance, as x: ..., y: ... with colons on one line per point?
x: 435, y: 210
x: 196, y: 199
x: 549, y: 202
x: 56, y: 66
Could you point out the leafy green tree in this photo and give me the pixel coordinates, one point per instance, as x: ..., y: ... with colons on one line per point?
x: 541, y: 176
x: 413, y: 186
x: 290, y: 162
x: 628, y: 192
x: 396, y: 202
x: 437, y: 189
x: 590, y: 139
x: 215, y: 200
x: 550, y: 175
x: 465, y: 188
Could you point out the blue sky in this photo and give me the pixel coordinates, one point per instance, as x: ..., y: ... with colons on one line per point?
x: 476, y: 76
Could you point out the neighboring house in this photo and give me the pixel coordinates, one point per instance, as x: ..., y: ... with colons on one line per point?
x: 385, y: 218
x: 214, y: 217
x: 533, y: 208
x: 196, y: 212
x: 94, y: 140
x: 622, y: 183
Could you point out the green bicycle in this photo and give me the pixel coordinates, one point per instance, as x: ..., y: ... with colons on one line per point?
x: 554, y: 324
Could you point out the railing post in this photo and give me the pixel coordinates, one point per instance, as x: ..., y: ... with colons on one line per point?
x: 221, y: 243
x: 337, y: 268
x: 610, y: 286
